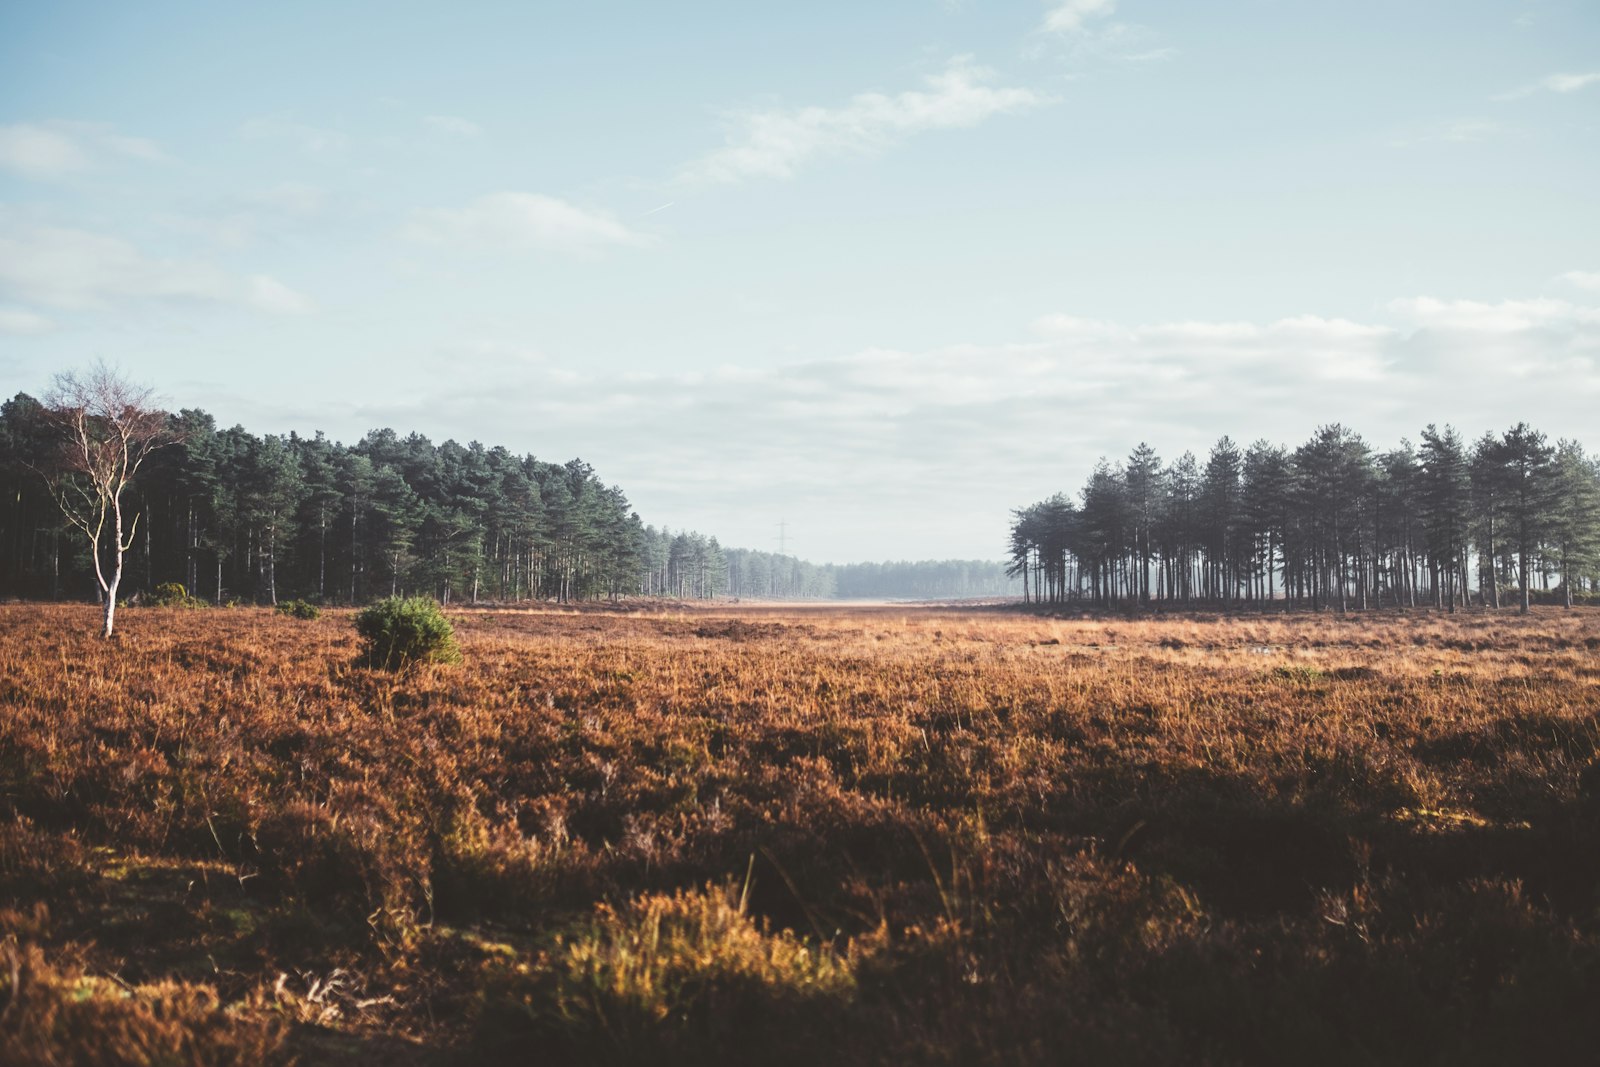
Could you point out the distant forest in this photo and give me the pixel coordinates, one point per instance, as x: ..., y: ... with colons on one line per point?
x: 237, y: 517
x: 1332, y: 523
x: 756, y: 575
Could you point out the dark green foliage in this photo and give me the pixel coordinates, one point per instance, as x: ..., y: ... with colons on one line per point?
x: 1331, y: 524
x: 247, y: 519
x: 173, y: 595
x: 400, y: 631
x: 299, y: 609
x: 238, y: 517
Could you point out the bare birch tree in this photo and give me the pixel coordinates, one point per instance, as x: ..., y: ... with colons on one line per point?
x: 108, y: 425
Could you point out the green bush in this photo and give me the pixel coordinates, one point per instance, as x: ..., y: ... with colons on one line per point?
x: 400, y: 631
x: 173, y: 595
x: 299, y: 609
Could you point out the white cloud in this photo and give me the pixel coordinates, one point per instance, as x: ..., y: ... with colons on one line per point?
x: 1570, y: 83
x: 269, y: 294
x: 491, y: 350
x: 76, y: 270
x: 133, y: 147
x: 285, y: 210
x: 70, y: 268
x: 1466, y: 131
x: 1064, y: 327
x: 453, y: 125
x: 36, y: 152
x: 289, y: 199
x: 1583, y: 279
x: 773, y: 143
x: 19, y: 322
x: 1455, y: 131
x: 1502, y: 317
x: 522, y: 220
x: 57, y: 149
x: 239, y: 220
x: 1073, y: 15
x: 868, y: 446
x: 1511, y: 356
x: 313, y: 140
x: 1555, y: 83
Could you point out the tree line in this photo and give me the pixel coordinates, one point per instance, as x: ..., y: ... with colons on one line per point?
x: 929, y: 579
x: 234, y: 516
x: 1331, y: 523
x: 101, y: 490
x: 759, y: 575
x: 691, y: 565
x: 237, y: 517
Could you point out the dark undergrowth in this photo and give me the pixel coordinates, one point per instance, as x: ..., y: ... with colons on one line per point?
x: 842, y: 836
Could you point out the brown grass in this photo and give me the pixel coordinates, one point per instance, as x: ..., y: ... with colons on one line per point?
x: 866, y: 835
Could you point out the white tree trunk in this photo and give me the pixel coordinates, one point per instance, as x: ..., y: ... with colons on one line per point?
x: 116, y: 570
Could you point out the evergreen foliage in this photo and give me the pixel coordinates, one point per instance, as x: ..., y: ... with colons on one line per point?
x: 397, y: 632
x: 173, y: 595
x: 236, y: 517
x: 299, y: 609
x: 1331, y: 524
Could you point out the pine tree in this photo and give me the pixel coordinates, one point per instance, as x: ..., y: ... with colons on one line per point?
x: 1445, y: 499
x: 1575, y: 527
x: 1527, y: 474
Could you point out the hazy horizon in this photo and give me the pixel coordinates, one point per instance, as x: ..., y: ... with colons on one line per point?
x: 881, y: 275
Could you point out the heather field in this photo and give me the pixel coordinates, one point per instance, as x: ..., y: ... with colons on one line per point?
x: 801, y: 835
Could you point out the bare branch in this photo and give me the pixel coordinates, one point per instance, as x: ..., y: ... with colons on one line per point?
x: 108, y: 425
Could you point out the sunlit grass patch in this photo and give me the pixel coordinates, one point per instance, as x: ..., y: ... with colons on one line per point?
x: 666, y: 975
x: 56, y: 1014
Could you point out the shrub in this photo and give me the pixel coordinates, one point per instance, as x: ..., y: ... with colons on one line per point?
x: 173, y: 595
x: 299, y: 609
x: 685, y: 978
x: 400, y: 631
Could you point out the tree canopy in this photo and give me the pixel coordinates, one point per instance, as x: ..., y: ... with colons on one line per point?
x: 235, y: 516
x: 1332, y: 523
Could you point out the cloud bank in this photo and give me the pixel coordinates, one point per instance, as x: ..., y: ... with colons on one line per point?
x: 452, y: 125
x: 1553, y: 83
x: 1074, y: 15
x: 56, y: 149
x: 79, y: 270
x: 895, y: 452
x: 513, y: 220
x: 776, y: 142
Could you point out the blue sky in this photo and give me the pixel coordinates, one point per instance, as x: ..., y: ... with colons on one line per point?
x: 883, y: 271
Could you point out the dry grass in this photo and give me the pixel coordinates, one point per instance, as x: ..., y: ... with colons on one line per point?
x: 863, y: 835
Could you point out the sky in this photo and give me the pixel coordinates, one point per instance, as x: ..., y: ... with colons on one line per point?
x: 879, y: 272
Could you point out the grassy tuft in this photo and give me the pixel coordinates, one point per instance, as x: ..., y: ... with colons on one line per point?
x: 670, y: 976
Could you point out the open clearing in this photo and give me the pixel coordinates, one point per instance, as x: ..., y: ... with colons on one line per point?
x: 853, y: 835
